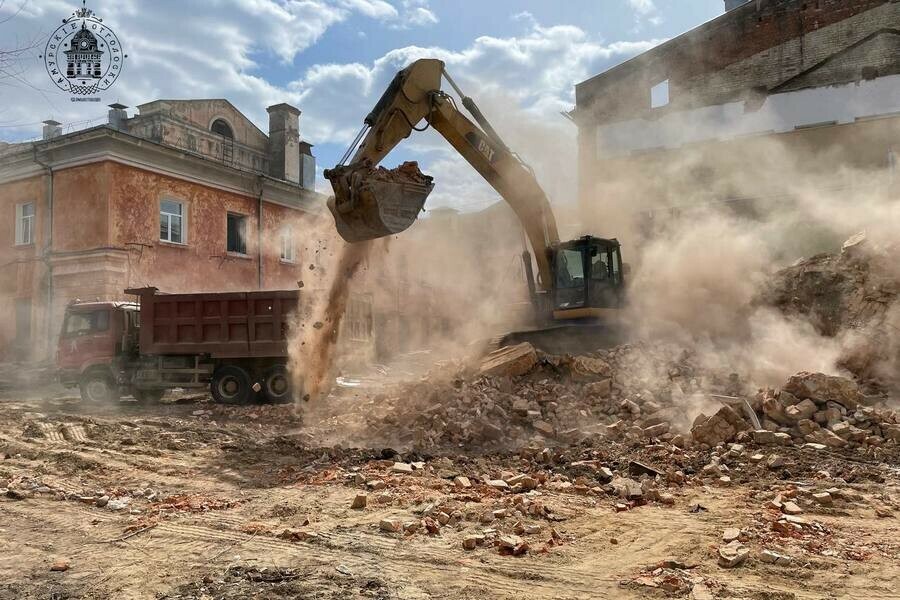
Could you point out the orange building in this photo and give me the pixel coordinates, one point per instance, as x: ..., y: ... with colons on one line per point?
x: 185, y: 196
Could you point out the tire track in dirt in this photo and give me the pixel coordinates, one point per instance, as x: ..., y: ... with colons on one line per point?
x: 395, y: 557
x: 51, y: 432
x: 74, y: 433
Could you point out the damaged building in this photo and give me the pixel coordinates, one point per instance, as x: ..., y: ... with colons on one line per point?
x: 186, y: 195
x: 692, y: 121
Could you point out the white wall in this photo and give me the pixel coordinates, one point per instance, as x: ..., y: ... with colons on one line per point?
x: 779, y: 113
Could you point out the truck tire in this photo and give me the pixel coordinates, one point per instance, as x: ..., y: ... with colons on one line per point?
x: 98, y: 387
x: 231, y: 385
x: 148, y: 396
x: 276, y: 384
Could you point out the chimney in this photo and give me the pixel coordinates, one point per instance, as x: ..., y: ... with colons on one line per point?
x: 307, y: 167
x: 52, y: 129
x: 117, y: 115
x: 284, y: 139
x: 732, y: 4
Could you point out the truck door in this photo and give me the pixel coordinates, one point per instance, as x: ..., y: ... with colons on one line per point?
x: 88, y: 337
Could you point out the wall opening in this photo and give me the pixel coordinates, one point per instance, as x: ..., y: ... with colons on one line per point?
x: 222, y: 128
x: 236, y: 234
x: 659, y: 94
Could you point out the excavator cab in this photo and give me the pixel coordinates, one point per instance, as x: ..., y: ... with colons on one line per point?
x: 589, y: 278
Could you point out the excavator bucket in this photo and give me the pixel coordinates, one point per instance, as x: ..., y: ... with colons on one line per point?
x: 370, y: 203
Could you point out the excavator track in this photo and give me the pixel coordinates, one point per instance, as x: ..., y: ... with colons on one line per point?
x: 565, y: 339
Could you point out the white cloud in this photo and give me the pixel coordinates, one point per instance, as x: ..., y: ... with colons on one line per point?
x: 415, y: 13
x: 645, y: 10
x: 376, y: 9
x: 642, y: 7
x: 520, y: 82
x: 177, y: 50
x: 420, y: 16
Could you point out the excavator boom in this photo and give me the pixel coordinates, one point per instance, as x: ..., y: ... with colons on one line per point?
x: 579, y: 283
x: 370, y: 202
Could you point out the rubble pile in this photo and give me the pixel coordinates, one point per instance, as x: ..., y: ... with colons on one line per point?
x: 823, y: 411
x: 519, y: 395
x: 407, y: 172
x: 853, y: 296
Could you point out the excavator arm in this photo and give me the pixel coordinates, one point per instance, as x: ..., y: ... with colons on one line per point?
x: 366, y: 206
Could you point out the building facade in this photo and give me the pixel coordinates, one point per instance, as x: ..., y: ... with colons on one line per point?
x: 83, y: 58
x: 771, y: 96
x: 186, y: 196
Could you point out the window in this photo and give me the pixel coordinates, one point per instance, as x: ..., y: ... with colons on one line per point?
x: 25, y: 224
x: 83, y: 323
x: 172, y: 222
x: 569, y: 269
x: 222, y: 128
x: 599, y: 265
x: 659, y: 94
x: 287, y: 245
x: 236, y: 233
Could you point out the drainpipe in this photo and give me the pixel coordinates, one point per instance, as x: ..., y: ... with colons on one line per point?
x: 259, y: 228
x: 48, y: 251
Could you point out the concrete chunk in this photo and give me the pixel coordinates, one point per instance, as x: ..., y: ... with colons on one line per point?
x: 510, y: 361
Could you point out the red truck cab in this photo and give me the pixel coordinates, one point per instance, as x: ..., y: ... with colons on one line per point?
x: 97, y: 338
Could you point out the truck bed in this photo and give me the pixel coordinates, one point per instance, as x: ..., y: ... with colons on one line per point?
x: 221, y: 325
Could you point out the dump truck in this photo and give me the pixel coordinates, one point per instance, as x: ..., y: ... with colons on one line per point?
x: 236, y: 343
x: 578, y: 289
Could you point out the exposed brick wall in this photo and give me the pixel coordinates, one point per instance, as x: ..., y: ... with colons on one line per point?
x: 756, y: 46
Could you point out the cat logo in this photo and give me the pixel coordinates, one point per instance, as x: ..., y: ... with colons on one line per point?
x: 480, y: 144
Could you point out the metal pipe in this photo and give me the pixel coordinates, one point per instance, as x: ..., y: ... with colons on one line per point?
x: 259, y: 225
x: 48, y: 250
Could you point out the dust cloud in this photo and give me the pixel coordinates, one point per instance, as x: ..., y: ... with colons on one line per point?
x: 704, y: 239
x: 318, y: 326
x: 702, y: 270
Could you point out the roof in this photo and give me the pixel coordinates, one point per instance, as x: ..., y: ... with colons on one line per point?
x: 140, y: 107
x: 78, y: 305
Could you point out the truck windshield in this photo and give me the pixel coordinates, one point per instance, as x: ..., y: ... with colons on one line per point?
x: 82, y: 323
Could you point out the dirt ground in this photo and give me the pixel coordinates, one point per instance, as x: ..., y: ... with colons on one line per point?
x: 238, y: 502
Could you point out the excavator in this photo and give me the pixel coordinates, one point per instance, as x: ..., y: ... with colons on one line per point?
x: 579, y: 288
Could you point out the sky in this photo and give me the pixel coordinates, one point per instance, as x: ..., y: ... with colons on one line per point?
x: 518, y: 59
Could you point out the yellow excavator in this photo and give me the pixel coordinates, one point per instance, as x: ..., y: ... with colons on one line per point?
x: 579, y: 287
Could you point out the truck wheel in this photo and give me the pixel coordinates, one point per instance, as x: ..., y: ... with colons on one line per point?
x: 231, y: 385
x: 97, y: 387
x: 148, y: 396
x: 277, y: 385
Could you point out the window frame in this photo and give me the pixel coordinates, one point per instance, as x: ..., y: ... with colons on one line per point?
x: 242, y: 233
x: 25, y: 224
x: 184, y: 221
x: 287, y: 235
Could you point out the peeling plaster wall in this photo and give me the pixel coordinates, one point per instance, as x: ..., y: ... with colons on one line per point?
x: 202, y: 263
x: 80, y: 208
x: 22, y: 275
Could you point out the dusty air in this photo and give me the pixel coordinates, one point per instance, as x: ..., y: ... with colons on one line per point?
x: 430, y: 299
